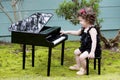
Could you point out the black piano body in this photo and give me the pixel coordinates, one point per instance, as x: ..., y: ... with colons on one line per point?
x: 47, y: 37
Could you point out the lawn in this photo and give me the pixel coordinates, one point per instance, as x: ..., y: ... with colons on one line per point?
x: 11, y: 64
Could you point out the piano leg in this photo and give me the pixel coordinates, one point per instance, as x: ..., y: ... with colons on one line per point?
x: 24, y: 55
x: 49, y: 61
x: 33, y: 55
x: 62, y: 53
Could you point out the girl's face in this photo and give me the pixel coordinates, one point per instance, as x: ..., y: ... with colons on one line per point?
x: 83, y: 22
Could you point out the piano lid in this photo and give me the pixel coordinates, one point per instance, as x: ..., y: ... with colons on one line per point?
x: 32, y: 24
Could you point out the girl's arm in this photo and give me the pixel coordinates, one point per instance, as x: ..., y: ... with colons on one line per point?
x: 93, y: 34
x: 76, y: 33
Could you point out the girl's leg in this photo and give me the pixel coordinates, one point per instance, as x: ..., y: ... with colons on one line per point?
x: 82, y: 59
x: 77, y: 66
x: 77, y: 54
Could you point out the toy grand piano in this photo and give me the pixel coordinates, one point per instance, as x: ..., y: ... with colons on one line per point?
x: 32, y: 31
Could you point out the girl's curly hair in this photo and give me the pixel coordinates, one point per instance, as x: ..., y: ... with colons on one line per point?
x: 88, y: 14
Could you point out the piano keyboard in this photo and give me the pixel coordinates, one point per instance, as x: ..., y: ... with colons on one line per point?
x: 58, y: 40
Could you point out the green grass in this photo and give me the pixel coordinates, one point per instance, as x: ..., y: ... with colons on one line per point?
x: 11, y: 64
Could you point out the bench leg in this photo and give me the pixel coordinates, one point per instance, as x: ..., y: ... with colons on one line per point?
x: 87, y: 66
x: 99, y: 64
x: 94, y: 64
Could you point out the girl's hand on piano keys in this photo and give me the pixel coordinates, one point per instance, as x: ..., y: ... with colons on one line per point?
x: 63, y: 32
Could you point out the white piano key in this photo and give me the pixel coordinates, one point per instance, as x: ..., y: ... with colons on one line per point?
x: 58, y: 40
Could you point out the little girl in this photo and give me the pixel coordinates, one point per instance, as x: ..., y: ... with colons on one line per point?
x: 90, y: 41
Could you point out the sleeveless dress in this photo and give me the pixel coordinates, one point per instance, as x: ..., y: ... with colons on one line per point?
x: 86, y: 42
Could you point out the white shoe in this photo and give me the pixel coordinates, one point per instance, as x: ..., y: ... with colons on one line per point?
x: 74, y: 67
x: 81, y: 72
